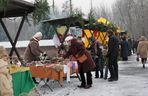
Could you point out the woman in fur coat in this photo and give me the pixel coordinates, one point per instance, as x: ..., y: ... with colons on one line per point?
x: 5, y: 77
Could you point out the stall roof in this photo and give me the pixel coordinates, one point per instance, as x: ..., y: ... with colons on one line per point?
x: 16, y: 8
x: 73, y: 21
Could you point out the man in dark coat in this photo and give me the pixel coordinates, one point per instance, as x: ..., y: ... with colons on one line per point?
x: 112, y: 54
x: 124, y: 49
x: 129, y: 46
x: 77, y: 50
x: 96, y: 53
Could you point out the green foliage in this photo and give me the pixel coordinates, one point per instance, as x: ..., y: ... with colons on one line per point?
x: 47, y: 30
x: 101, y: 27
x: 91, y: 20
x: 3, y: 4
x: 112, y: 27
x: 91, y: 17
x: 41, y: 11
x: 79, y: 15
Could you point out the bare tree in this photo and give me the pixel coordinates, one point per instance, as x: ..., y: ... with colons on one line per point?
x: 103, y: 11
x: 131, y: 16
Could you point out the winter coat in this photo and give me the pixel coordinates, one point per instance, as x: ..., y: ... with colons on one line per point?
x: 95, y: 49
x: 142, y: 49
x: 77, y: 48
x: 129, y: 46
x: 32, y: 51
x: 5, y: 80
x: 113, y: 47
x: 124, y: 48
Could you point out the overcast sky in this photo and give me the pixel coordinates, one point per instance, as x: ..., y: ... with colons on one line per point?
x: 83, y: 4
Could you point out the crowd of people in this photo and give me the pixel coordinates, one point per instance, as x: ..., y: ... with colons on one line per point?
x: 96, y: 58
x: 103, y: 58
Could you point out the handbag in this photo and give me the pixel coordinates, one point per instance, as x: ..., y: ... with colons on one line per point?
x: 82, y: 58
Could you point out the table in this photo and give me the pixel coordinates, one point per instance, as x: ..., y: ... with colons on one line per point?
x: 46, y: 72
x: 22, y: 82
x: 49, y: 72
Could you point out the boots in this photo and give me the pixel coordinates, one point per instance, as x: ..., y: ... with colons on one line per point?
x: 81, y: 86
x: 143, y: 65
x: 87, y: 86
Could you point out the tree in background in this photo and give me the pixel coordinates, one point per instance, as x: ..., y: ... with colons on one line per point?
x: 131, y: 15
x: 66, y: 9
x: 41, y: 11
x: 103, y: 11
x: 47, y: 30
x: 32, y: 22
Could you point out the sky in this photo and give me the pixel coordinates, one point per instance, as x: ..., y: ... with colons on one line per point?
x: 84, y: 5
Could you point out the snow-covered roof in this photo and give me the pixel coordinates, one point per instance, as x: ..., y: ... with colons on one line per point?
x: 21, y: 44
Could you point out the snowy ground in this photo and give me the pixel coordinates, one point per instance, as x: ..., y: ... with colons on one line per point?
x: 133, y: 81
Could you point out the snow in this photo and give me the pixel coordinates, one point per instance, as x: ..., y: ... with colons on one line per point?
x: 133, y: 81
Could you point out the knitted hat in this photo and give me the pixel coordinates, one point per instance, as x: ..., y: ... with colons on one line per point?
x: 38, y: 36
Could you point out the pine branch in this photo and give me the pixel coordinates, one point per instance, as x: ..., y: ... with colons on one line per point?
x: 41, y: 10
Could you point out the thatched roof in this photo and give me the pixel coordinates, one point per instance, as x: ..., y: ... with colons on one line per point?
x: 16, y: 8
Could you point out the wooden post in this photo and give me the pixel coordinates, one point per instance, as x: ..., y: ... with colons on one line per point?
x: 17, y: 35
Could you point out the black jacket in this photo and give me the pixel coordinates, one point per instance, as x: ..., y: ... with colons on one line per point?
x: 113, y: 46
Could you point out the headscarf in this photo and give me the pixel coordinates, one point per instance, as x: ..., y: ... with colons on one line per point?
x: 68, y: 40
x: 38, y: 36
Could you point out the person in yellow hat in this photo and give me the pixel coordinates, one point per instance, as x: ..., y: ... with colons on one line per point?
x: 5, y: 77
